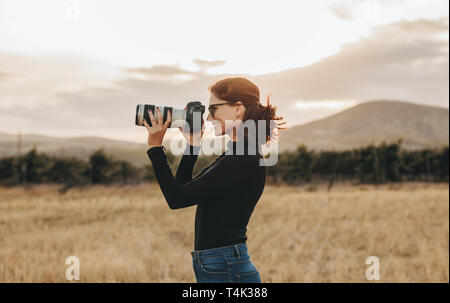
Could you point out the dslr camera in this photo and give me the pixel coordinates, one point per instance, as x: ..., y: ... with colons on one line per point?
x: 180, y: 117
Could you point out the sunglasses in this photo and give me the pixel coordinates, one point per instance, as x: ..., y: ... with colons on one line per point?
x: 212, y: 108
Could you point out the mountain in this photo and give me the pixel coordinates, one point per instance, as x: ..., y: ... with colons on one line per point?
x: 80, y: 147
x: 420, y: 126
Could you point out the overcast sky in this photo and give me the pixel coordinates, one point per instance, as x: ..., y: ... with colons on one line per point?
x: 70, y: 68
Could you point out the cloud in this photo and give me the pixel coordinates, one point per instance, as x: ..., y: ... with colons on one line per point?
x: 37, y: 79
x: 4, y: 76
x: 208, y: 64
x: 341, y: 10
x: 160, y: 70
x: 407, y: 60
x: 403, y: 60
x: 172, y: 73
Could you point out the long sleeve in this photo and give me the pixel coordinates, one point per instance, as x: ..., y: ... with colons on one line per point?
x: 186, y: 166
x: 222, y: 176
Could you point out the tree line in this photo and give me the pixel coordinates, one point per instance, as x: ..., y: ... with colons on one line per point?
x: 369, y: 164
x: 101, y: 168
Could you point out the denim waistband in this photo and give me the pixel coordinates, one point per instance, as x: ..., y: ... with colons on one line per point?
x: 236, y: 249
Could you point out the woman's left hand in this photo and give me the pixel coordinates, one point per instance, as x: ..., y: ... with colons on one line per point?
x: 158, y: 129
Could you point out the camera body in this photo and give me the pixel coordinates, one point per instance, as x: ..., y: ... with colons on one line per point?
x: 180, y: 117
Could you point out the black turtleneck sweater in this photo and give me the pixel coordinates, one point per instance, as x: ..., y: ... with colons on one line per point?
x: 225, y: 192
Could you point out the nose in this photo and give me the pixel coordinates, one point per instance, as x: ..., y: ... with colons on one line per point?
x: 209, y: 118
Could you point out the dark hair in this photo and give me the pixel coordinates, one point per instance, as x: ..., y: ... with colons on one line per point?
x: 241, y: 89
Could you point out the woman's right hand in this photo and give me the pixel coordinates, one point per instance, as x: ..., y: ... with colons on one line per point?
x: 194, y: 139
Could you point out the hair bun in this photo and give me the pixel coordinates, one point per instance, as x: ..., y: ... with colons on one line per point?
x: 263, y: 108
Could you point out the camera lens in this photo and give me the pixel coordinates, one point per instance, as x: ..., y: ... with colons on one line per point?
x: 178, y: 115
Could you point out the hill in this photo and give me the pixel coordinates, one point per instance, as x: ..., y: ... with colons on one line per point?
x: 420, y: 126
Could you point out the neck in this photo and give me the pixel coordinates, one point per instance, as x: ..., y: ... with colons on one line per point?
x: 243, y: 145
x: 234, y: 137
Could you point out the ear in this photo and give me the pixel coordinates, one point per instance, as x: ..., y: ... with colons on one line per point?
x: 240, y: 108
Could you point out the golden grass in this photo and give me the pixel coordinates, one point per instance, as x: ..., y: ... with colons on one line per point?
x: 296, y: 234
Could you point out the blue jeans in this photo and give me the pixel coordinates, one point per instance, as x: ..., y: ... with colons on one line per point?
x: 224, y: 264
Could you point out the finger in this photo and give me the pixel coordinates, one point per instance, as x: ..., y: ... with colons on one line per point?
x: 146, y: 125
x: 152, y: 118
x: 184, y: 127
x: 160, y: 117
x: 169, y: 119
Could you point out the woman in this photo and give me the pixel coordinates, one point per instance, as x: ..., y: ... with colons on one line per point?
x: 226, y: 191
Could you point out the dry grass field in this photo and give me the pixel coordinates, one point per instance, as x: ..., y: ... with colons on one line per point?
x: 296, y: 234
